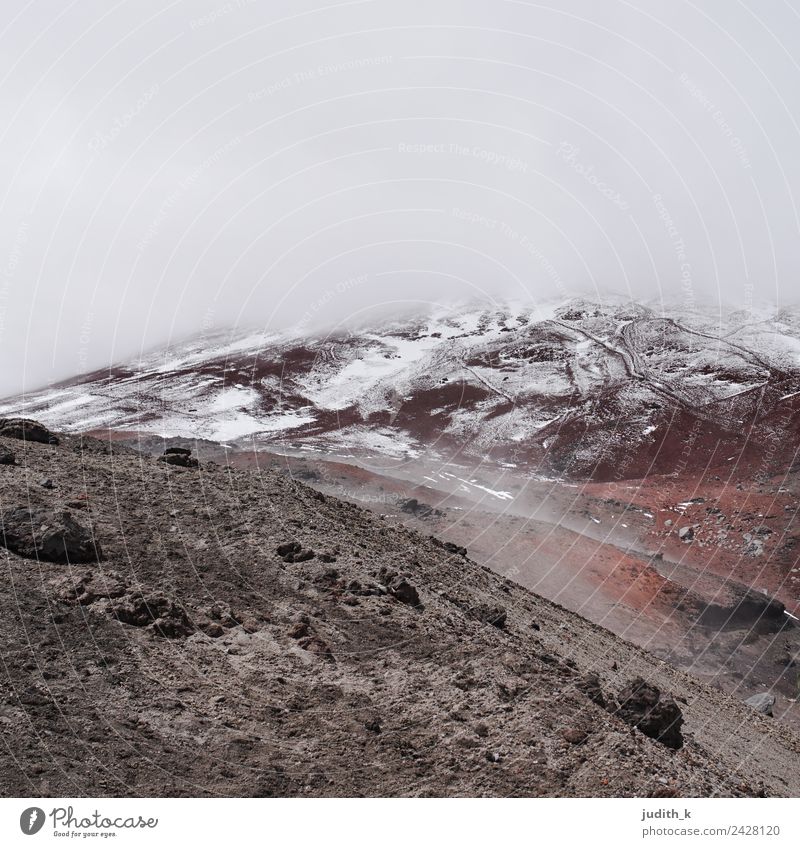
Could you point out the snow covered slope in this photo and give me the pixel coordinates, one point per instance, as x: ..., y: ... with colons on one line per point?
x: 581, y: 388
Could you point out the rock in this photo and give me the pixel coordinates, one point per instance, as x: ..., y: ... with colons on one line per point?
x: 6, y: 456
x: 299, y: 630
x: 293, y: 551
x: 304, y: 555
x: 574, y: 736
x: 494, y: 615
x: 250, y: 624
x: 47, y: 483
x: 412, y: 506
x: 590, y: 686
x: 762, y: 702
x: 454, y: 548
x: 641, y: 706
x: 314, y: 644
x: 26, y: 430
x: 96, y: 587
x: 179, y: 457
x: 161, y: 614
x: 686, y: 533
x: 401, y: 589
x: 54, y: 536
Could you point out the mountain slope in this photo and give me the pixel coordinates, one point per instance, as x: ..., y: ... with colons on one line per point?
x: 245, y: 635
x: 579, y: 389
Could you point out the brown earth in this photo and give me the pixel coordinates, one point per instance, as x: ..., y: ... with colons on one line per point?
x: 603, y: 551
x: 359, y: 659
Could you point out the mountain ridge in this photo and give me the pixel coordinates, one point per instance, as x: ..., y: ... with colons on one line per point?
x: 578, y: 389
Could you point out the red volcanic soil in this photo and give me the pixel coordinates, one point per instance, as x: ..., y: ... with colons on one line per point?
x: 744, y: 531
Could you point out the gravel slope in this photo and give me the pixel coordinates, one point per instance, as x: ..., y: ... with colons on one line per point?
x: 264, y: 676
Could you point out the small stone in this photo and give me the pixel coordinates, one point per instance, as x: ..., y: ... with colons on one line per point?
x: 299, y: 630
x: 591, y: 687
x: 213, y: 630
x: 574, y: 736
x: 762, y: 702
x: 287, y: 547
x: 494, y: 615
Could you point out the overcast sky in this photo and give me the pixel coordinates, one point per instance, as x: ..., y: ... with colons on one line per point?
x: 167, y: 168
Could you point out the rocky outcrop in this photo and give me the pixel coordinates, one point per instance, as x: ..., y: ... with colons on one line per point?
x: 179, y: 457
x: 748, y: 610
x: 49, y: 535
x: 26, y: 430
x: 641, y: 705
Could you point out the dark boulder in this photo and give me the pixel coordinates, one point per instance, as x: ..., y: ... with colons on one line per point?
x: 401, y: 589
x: 6, y: 456
x: 53, y: 536
x: 642, y: 706
x: 293, y: 551
x: 26, y: 430
x: 412, y: 506
x: 179, y: 457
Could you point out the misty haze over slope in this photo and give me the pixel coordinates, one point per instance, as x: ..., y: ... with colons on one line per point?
x: 174, y: 169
